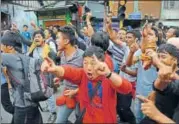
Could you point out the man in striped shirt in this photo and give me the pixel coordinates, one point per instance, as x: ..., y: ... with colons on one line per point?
x: 117, y: 50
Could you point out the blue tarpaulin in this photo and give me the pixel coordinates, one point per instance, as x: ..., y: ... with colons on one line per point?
x: 135, y: 16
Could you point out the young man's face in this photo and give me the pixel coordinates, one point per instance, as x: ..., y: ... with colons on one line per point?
x: 122, y: 35
x: 151, y: 36
x: 47, y: 34
x: 55, y: 30
x: 170, y: 33
x: 62, y: 41
x: 25, y: 28
x: 167, y: 59
x: 7, y: 49
x: 39, y: 39
x: 130, y: 39
x: 88, y: 66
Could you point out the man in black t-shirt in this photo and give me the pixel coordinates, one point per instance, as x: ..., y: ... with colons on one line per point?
x: 167, y: 61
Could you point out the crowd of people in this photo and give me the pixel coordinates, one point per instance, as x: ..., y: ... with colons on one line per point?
x: 103, y: 73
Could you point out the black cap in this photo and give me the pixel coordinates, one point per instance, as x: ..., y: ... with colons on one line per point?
x: 11, y: 39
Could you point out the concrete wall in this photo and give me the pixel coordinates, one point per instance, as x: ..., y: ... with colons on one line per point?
x: 170, y: 22
x: 145, y: 7
x: 170, y: 13
x: 129, y: 8
x: 18, y: 16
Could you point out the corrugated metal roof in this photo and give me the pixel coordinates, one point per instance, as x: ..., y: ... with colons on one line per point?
x: 4, y: 11
x: 60, y: 4
x: 32, y: 3
x: 56, y: 5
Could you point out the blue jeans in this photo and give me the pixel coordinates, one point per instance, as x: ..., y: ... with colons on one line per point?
x: 52, y: 104
x: 137, y: 111
x: 63, y: 114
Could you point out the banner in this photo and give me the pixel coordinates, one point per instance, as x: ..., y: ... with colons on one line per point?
x: 68, y: 17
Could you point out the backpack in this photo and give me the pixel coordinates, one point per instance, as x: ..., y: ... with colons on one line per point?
x: 38, y: 86
x: 52, y: 40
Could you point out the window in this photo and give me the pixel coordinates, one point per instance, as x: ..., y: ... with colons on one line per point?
x: 173, y: 4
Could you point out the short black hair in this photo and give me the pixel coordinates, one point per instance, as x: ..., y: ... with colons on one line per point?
x: 132, y: 32
x: 155, y: 29
x: 162, y: 36
x: 170, y: 49
x: 100, y: 39
x: 69, y: 32
x: 56, y: 26
x: 12, y: 39
x: 94, y: 50
x: 177, y: 32
x: 136, y: 33
x: 25, y: 26
x: 74, y: 27
x: 39, y: 32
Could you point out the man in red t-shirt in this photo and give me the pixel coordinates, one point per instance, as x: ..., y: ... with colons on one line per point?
x: 102, y: 108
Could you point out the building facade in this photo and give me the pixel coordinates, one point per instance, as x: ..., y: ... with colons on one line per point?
x: 14, y: 13
x: 170, y: 13
x: 165, y: 11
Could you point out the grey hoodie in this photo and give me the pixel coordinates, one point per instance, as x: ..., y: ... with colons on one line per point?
x: 75, y: 60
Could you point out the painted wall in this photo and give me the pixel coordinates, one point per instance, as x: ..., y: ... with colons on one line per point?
x: 19, y: 16
x: 129, y: 8
x: 150, y: 8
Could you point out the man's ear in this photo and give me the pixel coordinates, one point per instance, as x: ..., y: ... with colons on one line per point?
x: 136, y: 40
x: 66, y: 41
x: 175, y: 60
x: 156, y: 39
